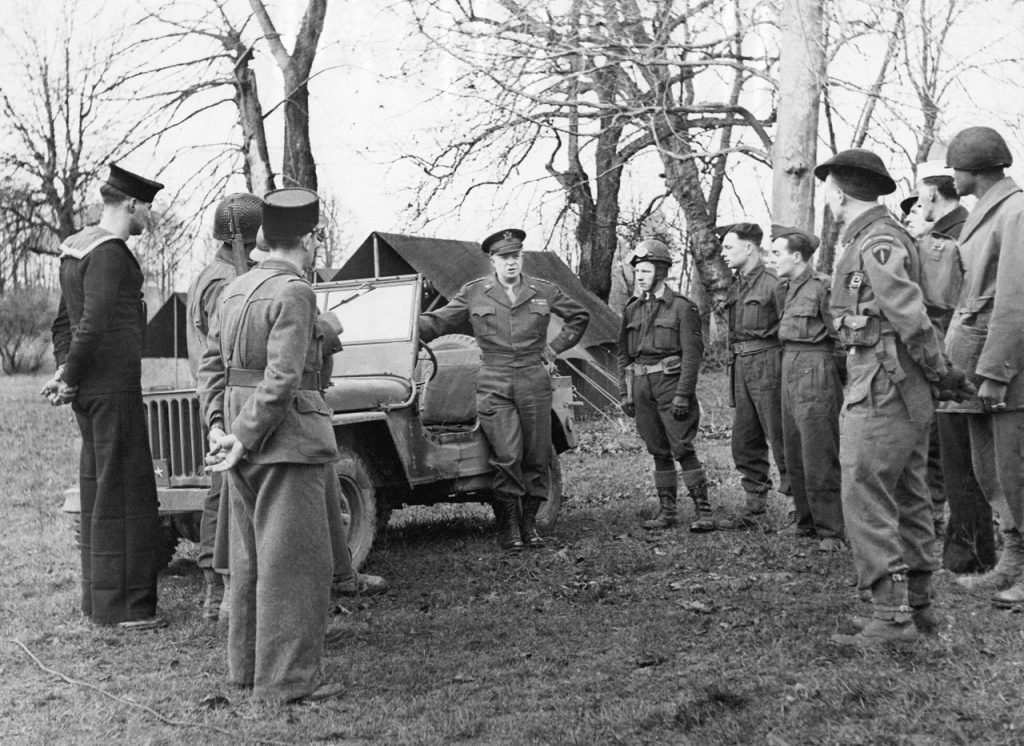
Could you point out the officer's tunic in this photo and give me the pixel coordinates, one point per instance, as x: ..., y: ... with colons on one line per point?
x: 260, y: 376
x: 754, y: 306
x: 513, y: 390
x: 986, y: 340
x: 811, y: 395
x: 97, y: 337
x: 892, y: 357
x: 664, y: 326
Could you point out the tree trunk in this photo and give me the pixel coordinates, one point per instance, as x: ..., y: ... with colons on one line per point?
x: 801, y: 71
x: 683, y: 179
x: 298, y: 168
x: 259, y: 176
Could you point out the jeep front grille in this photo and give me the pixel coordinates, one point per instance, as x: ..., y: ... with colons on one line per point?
x: 177, y: 435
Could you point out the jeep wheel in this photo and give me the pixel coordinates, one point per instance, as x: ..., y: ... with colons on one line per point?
x: 358, y: 506
x: 453, y: 342
x: 167, y: 543
x: 547, y: 516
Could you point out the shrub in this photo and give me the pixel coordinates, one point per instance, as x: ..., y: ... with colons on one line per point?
x: 25, y: 316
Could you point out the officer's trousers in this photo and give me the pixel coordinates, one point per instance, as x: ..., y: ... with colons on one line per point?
x: 757, y: 423
x: 970, y: 544
x: 811, y: 396
x: 883, y: 451
x: 280, y: 578
x: 665, y: 437
x: 215, y: 526
x: 514, y: 407
x: 119, y: 518
x: 997, y: 450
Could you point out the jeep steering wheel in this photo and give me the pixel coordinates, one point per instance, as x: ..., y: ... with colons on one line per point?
x: 423, y: 346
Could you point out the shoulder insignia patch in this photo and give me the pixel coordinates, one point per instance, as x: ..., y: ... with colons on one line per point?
x: 881, y: 253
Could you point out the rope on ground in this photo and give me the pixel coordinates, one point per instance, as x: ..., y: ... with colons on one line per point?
x: 150, y: 710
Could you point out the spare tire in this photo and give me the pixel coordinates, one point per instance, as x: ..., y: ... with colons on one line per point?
x: 453, y: 342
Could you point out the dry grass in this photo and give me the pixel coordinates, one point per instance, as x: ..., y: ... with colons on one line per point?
x: 611, y: 636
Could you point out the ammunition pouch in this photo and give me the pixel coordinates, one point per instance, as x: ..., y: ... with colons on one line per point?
x: 859, y: 331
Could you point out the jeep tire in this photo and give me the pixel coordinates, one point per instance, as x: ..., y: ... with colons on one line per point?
x: 358, y: 505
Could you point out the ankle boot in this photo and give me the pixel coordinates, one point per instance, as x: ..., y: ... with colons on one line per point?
x: 919, y: 597
x: 892, y: 618
x: 667, y: 485
x: 509, y: 517
x: 529, y: 534
x: 697, y: 485
x: 214, y: 594
x: 225, y: 605
x: 1008, y: 569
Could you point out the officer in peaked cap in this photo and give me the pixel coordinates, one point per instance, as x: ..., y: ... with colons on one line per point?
x: 660, y: 351
x: 266, y: 411
x: 98, y: 349
x: 894, y: 361
x: 811, y: 390
x: 509, y: 312
x: 986, y: 336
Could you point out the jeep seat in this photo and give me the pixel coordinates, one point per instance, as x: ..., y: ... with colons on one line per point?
x: 450, y: 398
x: 367, y: 393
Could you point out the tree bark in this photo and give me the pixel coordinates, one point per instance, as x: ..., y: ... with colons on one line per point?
x: 259, y: 176
x: 298, y: 167
x: 801, y: 71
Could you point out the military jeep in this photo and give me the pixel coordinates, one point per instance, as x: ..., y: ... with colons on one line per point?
x: 404, y: 418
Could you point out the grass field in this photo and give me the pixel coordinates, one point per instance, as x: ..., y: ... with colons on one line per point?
x: 610, y: 636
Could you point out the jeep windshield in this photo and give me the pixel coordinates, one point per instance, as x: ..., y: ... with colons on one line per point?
x: 377, y: 310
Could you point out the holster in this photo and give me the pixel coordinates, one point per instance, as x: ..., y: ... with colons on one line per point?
x: 731, y: 367
x: 629, y: 384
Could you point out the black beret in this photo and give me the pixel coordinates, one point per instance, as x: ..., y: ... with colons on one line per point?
x: 290, y: 212
x: 867, y: 164
x: 238, y: 213
x: 788, y: 231
x: 139, y: 187
x: 908, y: 202
x: 976, y: 149
x: 721, y: 230
x: 506, y: 241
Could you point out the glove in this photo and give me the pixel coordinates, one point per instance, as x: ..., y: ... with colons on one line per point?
x: 628, y: 408
x: 954, y: 386
x: 680, y: 407
x: 993, y: 395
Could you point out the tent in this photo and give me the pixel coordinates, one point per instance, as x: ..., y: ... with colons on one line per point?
x: 447, y: 264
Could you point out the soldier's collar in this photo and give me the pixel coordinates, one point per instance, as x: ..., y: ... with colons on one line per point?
x: 862, y: 221
x: 952, y: 218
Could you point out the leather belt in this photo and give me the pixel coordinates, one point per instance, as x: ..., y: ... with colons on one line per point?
x: 250, y: 378
x: 795, y: 346
x: 668, y: 365
x: 753, y: 345
x: 511, y: 359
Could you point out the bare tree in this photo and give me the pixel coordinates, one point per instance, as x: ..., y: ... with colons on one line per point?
x: 299, y: 168
x: 601, y: 81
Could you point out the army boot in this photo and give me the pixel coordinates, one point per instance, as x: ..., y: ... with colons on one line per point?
x: 667, y: 486
x: 891, y: 620
x: 1007, y: 570
x: 509, y: 518
x: 225, y: 605
x: 214, y: 594
x: 697, y: 485
x: 528, y: 528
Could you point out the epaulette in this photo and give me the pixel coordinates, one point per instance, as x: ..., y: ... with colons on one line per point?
x: 822, y: 277
x: 474, y: 282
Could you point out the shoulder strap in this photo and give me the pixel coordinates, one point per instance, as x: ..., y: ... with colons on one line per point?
x: 232, y: 349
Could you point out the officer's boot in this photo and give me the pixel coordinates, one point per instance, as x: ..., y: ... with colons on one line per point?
x: 667, y: 485
x: 529, y: 534
x: 891, y: 618
x: 509, y: 518
x: 214, y: 594
x: 697, y: 485
x: 1007, y: 571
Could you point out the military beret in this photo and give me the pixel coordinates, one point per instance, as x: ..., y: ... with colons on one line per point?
x: 722, y: 230
x: 290, y: 212
x: 507, y: 241
x: 976, y: 149
x: 908, y: 202
x: 141, y: 188
x: 238, y: 213
x: 796, y: 236
x: 874, y: 178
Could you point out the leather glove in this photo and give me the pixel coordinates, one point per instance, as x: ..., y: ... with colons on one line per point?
x: 628, y: 408
x: 954, y: 386
x: 680, y: 407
